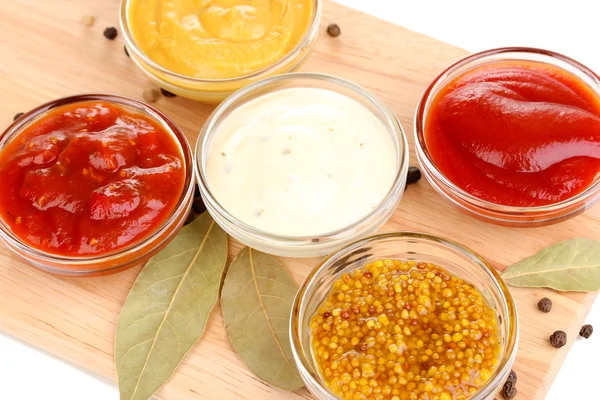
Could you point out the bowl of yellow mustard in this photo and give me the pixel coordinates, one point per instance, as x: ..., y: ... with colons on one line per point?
x: 207, y: 49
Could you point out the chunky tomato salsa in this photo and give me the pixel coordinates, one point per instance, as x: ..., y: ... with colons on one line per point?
x: 516, y: 133
x: 89, y: 178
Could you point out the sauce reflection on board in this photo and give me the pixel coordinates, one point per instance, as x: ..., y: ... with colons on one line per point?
x: 89, y: 178
x: 301, y: 162
x: 516, y: 133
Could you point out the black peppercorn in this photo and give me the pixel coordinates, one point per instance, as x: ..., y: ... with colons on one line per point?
x: 198, y: 205
x: 509, y: 391
x: 414, y: 174
x: 333, y: 30
x: 166, y: 93
x: 126, y: 52
x: 190, y: 218
x: 545, y: 305
x: 17, y: 116
x: 586, y: 331
x: 110, y: 33
x: 512, y: 378
x: 558, y: 339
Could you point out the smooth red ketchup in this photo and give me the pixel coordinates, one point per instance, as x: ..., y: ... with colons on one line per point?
x: 516, y: 133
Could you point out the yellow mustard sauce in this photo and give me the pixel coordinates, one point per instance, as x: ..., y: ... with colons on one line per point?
x: 217, y: 39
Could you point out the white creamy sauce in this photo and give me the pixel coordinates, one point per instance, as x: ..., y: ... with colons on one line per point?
x: 301, y: 162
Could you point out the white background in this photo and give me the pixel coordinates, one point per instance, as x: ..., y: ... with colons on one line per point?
x: 569, y: 27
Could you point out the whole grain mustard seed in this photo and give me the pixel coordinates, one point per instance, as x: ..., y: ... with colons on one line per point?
x: 150, y: 95
x: 88, y: 20
x: 402, y: 330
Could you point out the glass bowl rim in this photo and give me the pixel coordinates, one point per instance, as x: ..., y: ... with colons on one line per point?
x: 505, y: 299
x: 138, y: 106
x: 392, y: 124
x: 425, y: 158
x: 309, y: 36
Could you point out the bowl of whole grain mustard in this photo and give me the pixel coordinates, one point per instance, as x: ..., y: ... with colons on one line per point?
x: 404, y: 316
x: 207, y: 50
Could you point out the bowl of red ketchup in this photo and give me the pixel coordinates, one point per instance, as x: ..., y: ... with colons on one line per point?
x: 512, y: 136
x: 93, y: 184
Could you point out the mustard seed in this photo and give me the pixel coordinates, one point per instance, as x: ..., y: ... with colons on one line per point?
x: 150, y: 95
x: 88, y: 20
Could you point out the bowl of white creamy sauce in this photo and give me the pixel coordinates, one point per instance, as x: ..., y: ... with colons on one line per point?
x: 300, y: 164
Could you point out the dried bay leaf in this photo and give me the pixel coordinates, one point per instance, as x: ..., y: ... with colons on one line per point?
x: 256, y: 300
x: 572, y: 265
x: 168, y: 307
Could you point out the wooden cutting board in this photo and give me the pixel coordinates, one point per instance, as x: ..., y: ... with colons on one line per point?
x: 47, y: 53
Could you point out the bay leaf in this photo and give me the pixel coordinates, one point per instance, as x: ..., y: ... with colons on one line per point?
x: 256, y: 300
x: 572, y: 265
x: 167, y: 308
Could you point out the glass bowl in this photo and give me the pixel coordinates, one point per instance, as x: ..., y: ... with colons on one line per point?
x: 474, y: 206
x: 289, y: 246
x: 455, y: 258
x: 216, y: 90
x: 122, y: 258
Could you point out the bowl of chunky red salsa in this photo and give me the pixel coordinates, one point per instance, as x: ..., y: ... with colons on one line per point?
x: 92, y: 184
x: 512, y: 136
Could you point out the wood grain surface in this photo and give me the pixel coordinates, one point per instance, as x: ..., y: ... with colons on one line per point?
x: 47, y: 53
